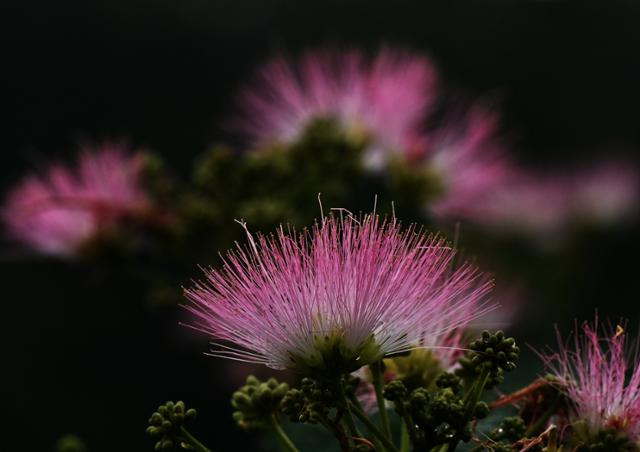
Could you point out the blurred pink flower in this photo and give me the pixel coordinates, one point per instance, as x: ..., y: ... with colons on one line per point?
x: 469, y: 162
x: 59, y: 211
x: 599, y: 377
x: 538, y: 205
x: 385, y: 98
x: 607, y: 192
x: 548, y: 204
x: 363, y: 286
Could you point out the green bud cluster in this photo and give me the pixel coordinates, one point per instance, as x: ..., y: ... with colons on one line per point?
x: 608, y: 440
x: 449, y: 380
x: 166, y: 422
x: 255, y: 402
x: 395, y: 391
x: 437, y: 416
x: 509, y: 431
x: 310, y: 403
x: 494, y: 353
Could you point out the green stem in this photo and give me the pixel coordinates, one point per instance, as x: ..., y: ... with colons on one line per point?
x: 408, y: 424
x: 283, y: 439
x: 473, y: 396
x: 405, y: 441
x: 470, y: 400
x: 337, y: 430
x: 386, y: 442
x: 348, y: 418
x: 376, y: 375
x: 443, y: 448
x: 197, y: 445
x: 375, y: 440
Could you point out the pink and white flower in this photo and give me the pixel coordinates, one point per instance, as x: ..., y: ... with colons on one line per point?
x: 59, y: 211
x: 385, y: 98
x: 601, y: 377
x: 549, y: 204
x: 362, y: 289
x: 470, y: 163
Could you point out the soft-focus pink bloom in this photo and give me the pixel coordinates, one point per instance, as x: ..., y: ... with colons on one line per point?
x: 601, y: 377
x: 539, y: 205
x: 57, y: 212
x: 469, y: 162
x: 366, y: 285
x: 385, y: 98
x: 548, y: 204
x: 607, y: 192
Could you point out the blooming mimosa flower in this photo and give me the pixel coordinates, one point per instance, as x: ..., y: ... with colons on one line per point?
x: 601, y: 378
x: 384, y: 99
x: 342, y: 295
x: 548, y: 204
x: 469, y: 162
x: 58, y: 212
x: 607, y: 192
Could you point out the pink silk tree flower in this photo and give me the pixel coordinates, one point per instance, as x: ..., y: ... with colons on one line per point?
x: 384, y: 99
x: 601, y: 377
x: 537, y: 205
x: 58, y: 212
x: 607, y: 192
x: 469, y: 162
x: 548, y: 204
x: 344, y: 294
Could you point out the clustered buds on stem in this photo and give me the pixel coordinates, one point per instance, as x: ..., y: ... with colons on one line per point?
x: 167, y: 424
x: 255, y: 402
x: 439, y: 416
x: 491, y: 356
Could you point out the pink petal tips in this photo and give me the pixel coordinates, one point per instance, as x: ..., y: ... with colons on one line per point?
x: 600, y: 375
x: 385, y: 98
x: 341, y: 295
x: 58, y: 212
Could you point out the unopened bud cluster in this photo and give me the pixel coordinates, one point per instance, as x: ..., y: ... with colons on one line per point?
x: 255, y: 402
x: 166, y: 422
x: 492, y: 354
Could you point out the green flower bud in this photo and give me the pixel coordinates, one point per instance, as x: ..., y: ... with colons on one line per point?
x: 255, y: 402
x: 165, y: 424
x: 395, y: 391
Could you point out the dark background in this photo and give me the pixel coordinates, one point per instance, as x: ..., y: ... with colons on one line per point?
x: 82, y: 354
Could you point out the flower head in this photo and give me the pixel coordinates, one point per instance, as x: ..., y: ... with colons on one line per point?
x: 342, y: 295
x: 601, y: 379
x: 384, y: 99
x: 59, y: 211
x: 469, y: 162
x: 548, y: 204
x: 607, y: 192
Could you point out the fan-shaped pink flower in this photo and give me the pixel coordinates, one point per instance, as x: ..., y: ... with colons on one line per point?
x: 385, y: 98
x: 361, y: 289
x: 601, y: 377
x: 59, y: 211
